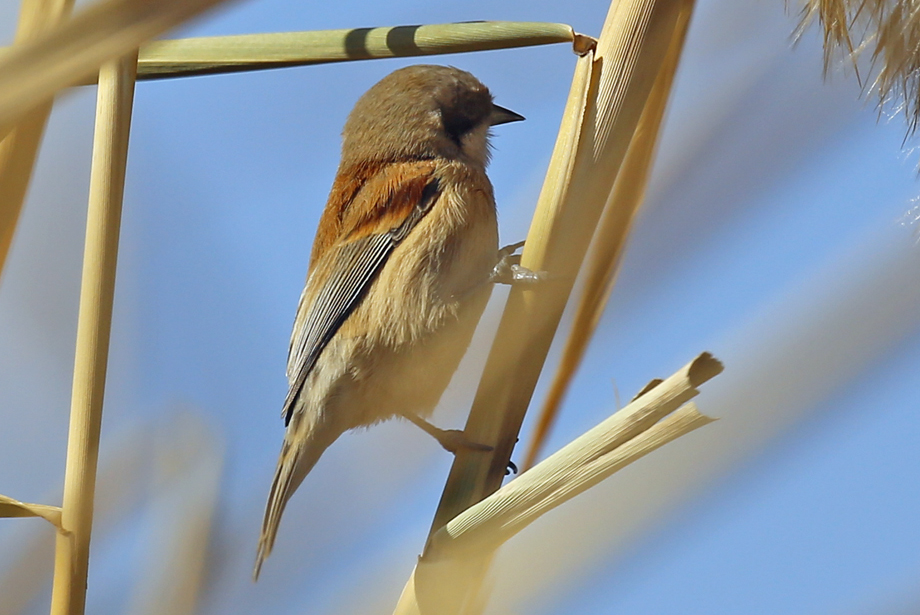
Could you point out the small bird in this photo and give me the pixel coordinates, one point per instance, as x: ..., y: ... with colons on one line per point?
x: 401, y: 269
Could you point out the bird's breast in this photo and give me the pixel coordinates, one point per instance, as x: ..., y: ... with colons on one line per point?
x: 415, y: 324
x: 440, y: 270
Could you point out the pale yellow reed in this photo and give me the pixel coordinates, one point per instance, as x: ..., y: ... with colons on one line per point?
x: 610, y: 238
x: 107, y: 180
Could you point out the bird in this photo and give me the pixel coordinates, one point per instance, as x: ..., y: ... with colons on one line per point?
x: 402, y: 265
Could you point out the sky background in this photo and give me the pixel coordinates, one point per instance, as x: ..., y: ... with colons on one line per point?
x: 778, y: 234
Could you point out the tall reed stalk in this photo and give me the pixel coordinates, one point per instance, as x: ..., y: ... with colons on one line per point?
x: 97, y: 292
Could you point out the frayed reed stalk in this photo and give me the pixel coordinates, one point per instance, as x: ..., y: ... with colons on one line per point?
x: 883, y: 33
x: 110, y: 151
x: 629, y: 434
x: 458, y: 553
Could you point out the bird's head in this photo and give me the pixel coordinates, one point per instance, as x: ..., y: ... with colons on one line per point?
x: 423, y: 112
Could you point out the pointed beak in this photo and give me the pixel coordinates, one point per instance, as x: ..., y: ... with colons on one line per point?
x: 500, y: 115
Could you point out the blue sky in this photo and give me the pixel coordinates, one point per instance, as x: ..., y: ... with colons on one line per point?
x: 773, y: 236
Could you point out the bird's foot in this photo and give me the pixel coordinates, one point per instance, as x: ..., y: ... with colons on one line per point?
x: 508, y: 269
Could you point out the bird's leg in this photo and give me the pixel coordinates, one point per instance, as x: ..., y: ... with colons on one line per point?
x: 508, y: 269
x: 452, y: 440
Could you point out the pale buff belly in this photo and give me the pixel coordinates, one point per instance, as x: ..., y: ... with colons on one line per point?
x: 410, y: 378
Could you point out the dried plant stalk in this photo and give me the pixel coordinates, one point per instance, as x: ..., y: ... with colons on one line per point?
x: 888, y: 31
x: 608, y: 97
x: 610, y: 238
x: 71, y: 53
x: 459, y: 552
x: 224, y: 54
x: 110, y: 151
x: 633, y: 45
x: 569, y: 472
x: 20, y: 147
x: 558, y: 176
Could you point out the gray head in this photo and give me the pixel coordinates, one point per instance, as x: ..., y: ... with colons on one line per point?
x: 422, y: 112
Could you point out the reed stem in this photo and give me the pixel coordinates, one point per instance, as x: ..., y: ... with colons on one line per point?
x: 110, y: 150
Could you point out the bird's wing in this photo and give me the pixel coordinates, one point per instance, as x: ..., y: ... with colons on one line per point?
x: 342, y: 275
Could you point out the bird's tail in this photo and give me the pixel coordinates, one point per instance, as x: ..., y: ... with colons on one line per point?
x: 294, y: 463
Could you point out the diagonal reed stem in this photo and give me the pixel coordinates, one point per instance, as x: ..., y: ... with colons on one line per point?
x: 610, y: 239
x: 631, y: 51
x: 110, y: 151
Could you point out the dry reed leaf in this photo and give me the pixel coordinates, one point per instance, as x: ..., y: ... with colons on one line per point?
x: 19, y: 148
x: 33, y: 71
x: 223, y: 54
x: 14, y: 508
x: 610, y: 238
x: 884, y: 32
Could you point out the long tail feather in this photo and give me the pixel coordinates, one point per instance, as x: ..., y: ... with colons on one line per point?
x: 294, y: 463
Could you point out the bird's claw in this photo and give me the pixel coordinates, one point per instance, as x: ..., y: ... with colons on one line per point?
x: 508, y: 269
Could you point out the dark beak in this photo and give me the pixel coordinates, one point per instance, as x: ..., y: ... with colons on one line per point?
x: 500, y: 115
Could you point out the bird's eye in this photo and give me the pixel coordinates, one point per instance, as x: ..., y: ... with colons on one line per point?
x: 456, y: 124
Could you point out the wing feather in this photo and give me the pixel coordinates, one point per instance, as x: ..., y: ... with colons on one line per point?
x: 346, y: 272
